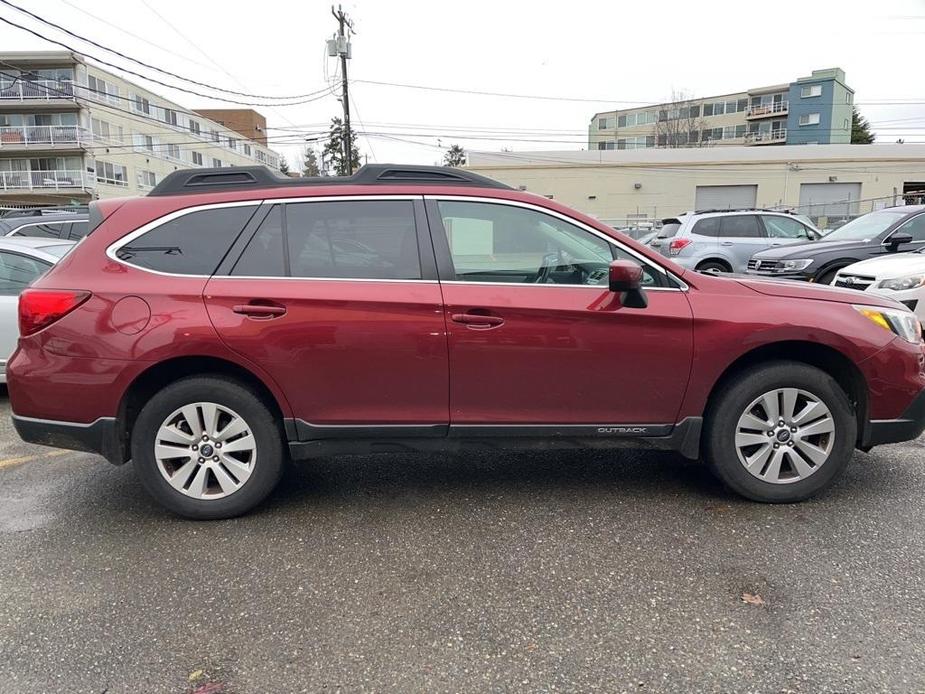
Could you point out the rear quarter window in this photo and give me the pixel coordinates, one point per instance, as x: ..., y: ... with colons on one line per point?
x: 708, y: 226
x: 192, y: 244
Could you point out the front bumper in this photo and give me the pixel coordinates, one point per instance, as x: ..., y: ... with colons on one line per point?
x: 98, y: 437
x: 908, y: 426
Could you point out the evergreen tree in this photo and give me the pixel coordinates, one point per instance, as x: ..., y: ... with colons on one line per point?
x: 455, y: 156
x: 860, y: 129
x: 310, y: 166
x: 283, y: 165
x: 333, y: 153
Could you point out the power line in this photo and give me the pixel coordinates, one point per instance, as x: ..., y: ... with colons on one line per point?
x: 138, y: 74
x: 79, y: 37
x: 539, y: 97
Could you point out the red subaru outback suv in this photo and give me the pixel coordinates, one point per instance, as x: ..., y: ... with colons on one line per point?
x: 231, y: 320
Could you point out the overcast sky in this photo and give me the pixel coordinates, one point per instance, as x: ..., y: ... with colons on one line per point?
x: 621, y: 52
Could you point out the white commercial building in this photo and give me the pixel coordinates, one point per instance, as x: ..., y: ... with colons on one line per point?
x: 636, y: 187
x: 73, y: 132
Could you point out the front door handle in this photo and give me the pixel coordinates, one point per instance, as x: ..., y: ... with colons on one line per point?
x: 477, y: 321
x: 726, y: 243
x: 260, y: 310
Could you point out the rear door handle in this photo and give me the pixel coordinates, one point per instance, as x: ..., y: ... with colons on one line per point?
x: 476, y: 321
x: 260, y: 310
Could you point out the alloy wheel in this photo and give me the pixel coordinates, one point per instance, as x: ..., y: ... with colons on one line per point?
x: 785, y: 435
x: 205, y: 450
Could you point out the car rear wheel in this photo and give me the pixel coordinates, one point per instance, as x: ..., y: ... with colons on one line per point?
x: 780, y: 432
x: 207, y: 448
x: 713, y: 266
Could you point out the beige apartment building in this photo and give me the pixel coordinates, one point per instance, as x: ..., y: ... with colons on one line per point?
x: 809, y: 110
x: 637, y: 187
x: 71, y: 132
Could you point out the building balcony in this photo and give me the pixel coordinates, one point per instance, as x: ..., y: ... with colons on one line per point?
x: 19, y: 181
x: 33, y: 137
x: 775, y: 136
x: 36, y: 91
x: 778, y: 108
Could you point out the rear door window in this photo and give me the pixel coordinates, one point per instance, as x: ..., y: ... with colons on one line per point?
x: 192, y: 244
x: 741, y: 226
x: 357, y: 239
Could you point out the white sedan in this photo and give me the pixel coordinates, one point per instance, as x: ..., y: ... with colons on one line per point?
x: 899, y: 276
x: 22, y: 261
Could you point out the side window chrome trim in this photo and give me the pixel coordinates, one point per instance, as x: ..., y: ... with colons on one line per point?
x: 170, y: 216
x: 315, y: 279
x: 682, y: 286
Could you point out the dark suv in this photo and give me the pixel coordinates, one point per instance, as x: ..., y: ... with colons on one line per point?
x: 232, y: 320
x: 895, y: 229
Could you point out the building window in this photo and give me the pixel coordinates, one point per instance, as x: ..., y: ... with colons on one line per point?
x: 847, y: 97
x: 621, y: 144
x: 146, y: 179
x: 173, y: 151
x: 247, y: 150
x: 603, y: 123
x: 197, y: 158
x: 195, y: 128
x: 232, y: 143
x: 809, y: 119
x: 170, y: 116
x: 102, y: 89
x: 811, y: 90
x: 113, y: 174
x: 740, y: 131
x: 216, y: 136
x: 621, y: 122
x: 142, y: 105
x: 217, y: 163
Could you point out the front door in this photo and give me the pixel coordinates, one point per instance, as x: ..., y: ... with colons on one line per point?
x: 536, y: 338
x: 331, y: 297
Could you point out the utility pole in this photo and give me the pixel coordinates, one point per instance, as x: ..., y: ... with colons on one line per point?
x: 340, y: 46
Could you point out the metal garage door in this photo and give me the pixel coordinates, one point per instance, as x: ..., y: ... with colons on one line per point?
x: 829, y: 199
x: 725, y: 197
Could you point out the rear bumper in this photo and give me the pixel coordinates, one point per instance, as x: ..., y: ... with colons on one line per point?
x: 908, y: 426
x: 96, y: 437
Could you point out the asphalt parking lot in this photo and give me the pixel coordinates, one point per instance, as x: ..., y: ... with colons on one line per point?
x: 553, y: 572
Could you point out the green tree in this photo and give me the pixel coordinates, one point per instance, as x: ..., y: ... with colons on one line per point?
x: 860, y: 129
x: 283, y: 165
x: 455, y: 156
x: 310, y: 166
x: 333, y: 153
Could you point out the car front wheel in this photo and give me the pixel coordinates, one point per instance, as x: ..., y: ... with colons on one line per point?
x: 780, y: 432
x: 207, y: 448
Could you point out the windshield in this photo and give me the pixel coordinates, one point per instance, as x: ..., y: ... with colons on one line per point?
x: 867, y: 226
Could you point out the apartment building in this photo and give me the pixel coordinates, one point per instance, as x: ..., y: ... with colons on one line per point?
x: 810, y: 110
x: 73, y: 132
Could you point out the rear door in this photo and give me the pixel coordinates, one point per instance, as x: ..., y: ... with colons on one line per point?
x: 741, y: 236
x: 337, y: 299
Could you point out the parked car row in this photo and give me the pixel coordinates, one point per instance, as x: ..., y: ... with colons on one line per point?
x: 231, y: 320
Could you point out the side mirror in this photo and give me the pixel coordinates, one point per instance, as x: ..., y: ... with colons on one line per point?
x: 898, y: 239
x: 626, y: 278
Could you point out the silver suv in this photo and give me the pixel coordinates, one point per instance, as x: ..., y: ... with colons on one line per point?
x: 724, y: 240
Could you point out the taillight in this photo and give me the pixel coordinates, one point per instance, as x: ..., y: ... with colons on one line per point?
x: 678, y: 245
x: 39, y: 308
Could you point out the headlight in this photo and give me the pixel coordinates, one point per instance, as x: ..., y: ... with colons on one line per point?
x: 795, y: 265
x: 897, y: 321
x: 902, y: 283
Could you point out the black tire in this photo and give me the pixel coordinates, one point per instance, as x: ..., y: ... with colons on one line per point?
x: 827, y: 277
x: 733, y: 399
x: 267, y: 466
x: 713, y: 266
